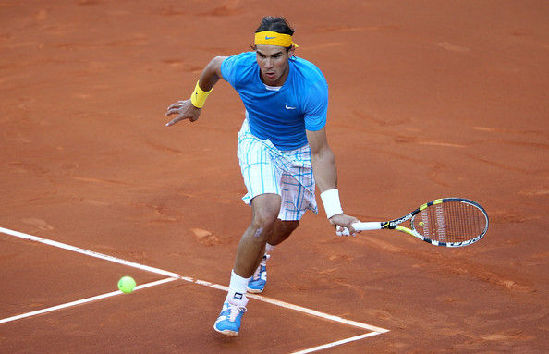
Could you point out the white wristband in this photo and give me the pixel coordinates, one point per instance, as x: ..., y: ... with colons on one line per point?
x: 330, y: 200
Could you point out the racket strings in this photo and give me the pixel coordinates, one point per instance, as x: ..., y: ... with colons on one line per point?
x: 451, y: 221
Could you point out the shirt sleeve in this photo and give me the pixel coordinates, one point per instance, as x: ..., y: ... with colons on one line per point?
x: 229, y: 69
x: 316, y: 106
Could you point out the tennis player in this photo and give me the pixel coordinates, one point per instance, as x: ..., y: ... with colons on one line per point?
x: 281, y: 146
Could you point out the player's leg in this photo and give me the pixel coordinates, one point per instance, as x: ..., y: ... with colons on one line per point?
x: 265, y: 208
x: 262, y: 182
x: 281, y: 231
x: 297, y: 191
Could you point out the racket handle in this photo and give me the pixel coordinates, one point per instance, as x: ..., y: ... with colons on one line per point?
x: 365, y: 226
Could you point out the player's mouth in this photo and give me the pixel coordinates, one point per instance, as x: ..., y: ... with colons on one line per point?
x: 270, y: 75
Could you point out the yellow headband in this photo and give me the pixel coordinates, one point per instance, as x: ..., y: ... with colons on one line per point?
x: 274, y: 38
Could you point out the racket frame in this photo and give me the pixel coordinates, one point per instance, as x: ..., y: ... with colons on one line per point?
x: 395, y: 224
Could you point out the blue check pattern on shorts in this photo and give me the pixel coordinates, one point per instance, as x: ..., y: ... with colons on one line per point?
x: 266, y: 169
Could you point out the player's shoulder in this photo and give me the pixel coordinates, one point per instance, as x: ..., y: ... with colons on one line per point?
x: 307, y: 69
x: 308, y: 78
x: 245, y: 58
x: 234, y: 67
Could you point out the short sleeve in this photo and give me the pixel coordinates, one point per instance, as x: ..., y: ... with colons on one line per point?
x: 228, y: 69
x: 316, y: 106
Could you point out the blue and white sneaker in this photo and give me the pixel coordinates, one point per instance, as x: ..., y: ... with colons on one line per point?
x: 259, y: 279
x: 228, y: 322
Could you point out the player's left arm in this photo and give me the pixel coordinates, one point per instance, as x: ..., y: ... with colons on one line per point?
x: 186, y: 109
x: 325, y: 172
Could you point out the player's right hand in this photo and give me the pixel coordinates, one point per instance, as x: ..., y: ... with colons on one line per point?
x: 343, y: 224
x: 184, y: 110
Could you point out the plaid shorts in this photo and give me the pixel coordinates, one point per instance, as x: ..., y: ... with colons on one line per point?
x: 266, y: 169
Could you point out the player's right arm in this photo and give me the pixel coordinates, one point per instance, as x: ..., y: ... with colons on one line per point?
x: 185, y: 109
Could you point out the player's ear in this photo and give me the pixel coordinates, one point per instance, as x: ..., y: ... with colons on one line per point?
x: 291, y: 51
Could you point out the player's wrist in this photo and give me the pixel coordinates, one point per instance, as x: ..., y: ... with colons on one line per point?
x: 331, y: 202
x: 198, y: 97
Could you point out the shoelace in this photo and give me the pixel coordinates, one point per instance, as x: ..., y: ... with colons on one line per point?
x: 234, y: 311
x: 257, y: 272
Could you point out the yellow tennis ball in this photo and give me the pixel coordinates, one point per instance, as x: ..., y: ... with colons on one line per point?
x: 126, y: 284
x: 421, y: 223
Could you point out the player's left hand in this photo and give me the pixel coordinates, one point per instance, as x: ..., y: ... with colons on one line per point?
x: 343, y: 224
x: 182, y: 110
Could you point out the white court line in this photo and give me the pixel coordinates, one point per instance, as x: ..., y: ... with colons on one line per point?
x: 375, y: 330
x: 336, y: 343
x: 83, y: 301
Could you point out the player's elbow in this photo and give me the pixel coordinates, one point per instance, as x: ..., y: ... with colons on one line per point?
x: 323, y: 153
x: 214, y: 67
x: 217, y: 60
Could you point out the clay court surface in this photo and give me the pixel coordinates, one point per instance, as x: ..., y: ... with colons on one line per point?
x: 428, y: 99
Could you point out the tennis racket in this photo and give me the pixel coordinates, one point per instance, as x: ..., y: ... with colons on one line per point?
x: 448, y: 222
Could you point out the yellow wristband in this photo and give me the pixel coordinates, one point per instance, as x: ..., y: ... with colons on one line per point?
x: 198, y: 97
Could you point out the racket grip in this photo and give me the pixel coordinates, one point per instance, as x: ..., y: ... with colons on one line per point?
x: 365, y: 226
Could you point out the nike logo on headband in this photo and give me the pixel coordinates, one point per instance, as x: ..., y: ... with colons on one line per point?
x: 267, y: 38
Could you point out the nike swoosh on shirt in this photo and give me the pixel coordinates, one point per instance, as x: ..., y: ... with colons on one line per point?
x: 288, y: 107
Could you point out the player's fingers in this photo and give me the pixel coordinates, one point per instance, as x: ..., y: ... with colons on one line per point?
x: 175, y: 105
x: 173, y: 121
x: 171, y: 111
x: 342, y: 231
x: 352, y: 231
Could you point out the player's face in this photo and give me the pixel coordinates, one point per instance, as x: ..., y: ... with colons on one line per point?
x: 273, y: 62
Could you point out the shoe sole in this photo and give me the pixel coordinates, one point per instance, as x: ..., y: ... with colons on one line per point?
x: 255, y: 291
x: 226, y: 332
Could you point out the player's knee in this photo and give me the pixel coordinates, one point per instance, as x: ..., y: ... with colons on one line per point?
x: 264, y: 219
x: 265, y: 211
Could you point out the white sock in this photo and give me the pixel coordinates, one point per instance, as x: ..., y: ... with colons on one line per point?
x: 269, y: 248
x: 237, y: 290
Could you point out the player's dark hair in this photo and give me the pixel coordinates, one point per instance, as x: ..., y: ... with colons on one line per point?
x: 276, y: 24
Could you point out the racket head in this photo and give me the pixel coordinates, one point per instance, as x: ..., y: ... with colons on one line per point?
x: 450, y: 222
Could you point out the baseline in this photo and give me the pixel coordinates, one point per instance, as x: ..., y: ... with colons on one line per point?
x: 375, y: 330
x: 83, y: 301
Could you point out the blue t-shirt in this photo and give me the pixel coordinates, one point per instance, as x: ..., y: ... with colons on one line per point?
x: 280, y: 116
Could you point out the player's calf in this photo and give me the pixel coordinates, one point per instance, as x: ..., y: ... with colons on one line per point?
x: 259, y: 278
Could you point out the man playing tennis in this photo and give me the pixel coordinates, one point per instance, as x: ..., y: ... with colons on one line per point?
x: 281, y: 144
